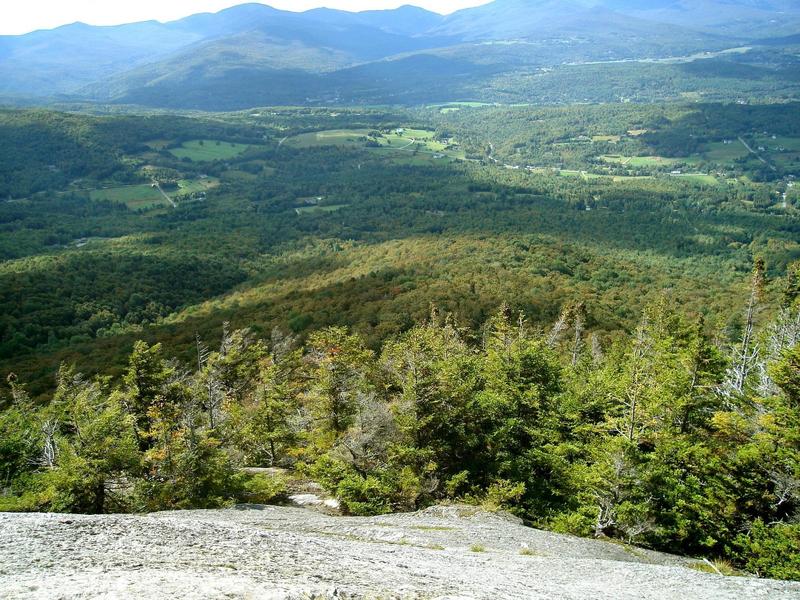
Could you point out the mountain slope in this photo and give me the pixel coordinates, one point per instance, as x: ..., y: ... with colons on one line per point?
x: 254, y: 55
x: 334, y: 56
x: 742, y: 18
x: 66, y: 59
x: 405, y: 20
x: 747, y: 19
x: 63, y: 60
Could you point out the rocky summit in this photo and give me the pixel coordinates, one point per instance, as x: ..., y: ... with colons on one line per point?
x: 296, y: 553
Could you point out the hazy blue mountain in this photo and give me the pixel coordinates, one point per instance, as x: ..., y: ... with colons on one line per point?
x: 67, y: 58
x: 405, y: 20
x: 569, y: 20
x: 749, y: 19
x: 255, y: 54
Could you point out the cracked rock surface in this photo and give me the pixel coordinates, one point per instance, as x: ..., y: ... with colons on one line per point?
x: 276, y: 553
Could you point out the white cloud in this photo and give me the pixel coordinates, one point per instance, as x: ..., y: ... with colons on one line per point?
x: 28, y: 15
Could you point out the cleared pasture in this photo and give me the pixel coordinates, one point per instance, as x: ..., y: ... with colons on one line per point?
x: 208, y: 150
x: 722, y: 152
x: 606, y: 138
x: 586, y: 176
x: 412, y: 141
x: 790, y: 144
x: 135, y: 197
x: 158, y: 144
x: 310, y: 210
x: 701, y: 178
x: 191, y: 186
x: 639, y: 161
x: 333, y: 137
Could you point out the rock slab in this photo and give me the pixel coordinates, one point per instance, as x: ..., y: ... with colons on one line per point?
x: 282, y: 553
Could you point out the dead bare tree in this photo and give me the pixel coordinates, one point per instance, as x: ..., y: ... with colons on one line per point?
x: 559, y: 327
x: 745, y: 354
x: 579, y: 313
x: 635, y: 383
x: 49, y: 452
x: 787, y: 485
x: 782, y: 334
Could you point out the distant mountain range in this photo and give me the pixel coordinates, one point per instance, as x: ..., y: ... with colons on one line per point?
x: 256, y: 55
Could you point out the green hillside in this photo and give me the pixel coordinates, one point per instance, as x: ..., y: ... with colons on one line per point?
x: 515, y: 51
x: 535, y: 257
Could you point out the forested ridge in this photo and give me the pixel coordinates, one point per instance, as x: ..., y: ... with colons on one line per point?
x: 529, y: 264
x: 668, y: 438
x: 547, y: 310
x: 274, y: 226
x: 505, y: 51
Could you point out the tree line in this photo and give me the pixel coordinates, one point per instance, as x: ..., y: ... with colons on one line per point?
x: 667, y: 438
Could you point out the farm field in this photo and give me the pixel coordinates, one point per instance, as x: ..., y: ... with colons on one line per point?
x: 791, y: 144
x: 639, y: 161
x: 135, y: 197
x: 420, y: 160
x: 583, y: 174
x: 158, y: 144
x: 191, y: 186
x: 451, y: 107
x: 305, y: 210
x: 408, y: 140
x: 781, y: 151
x: 787, y: 160
x: 701, y: 178
x: 208, y: 150
x: 334, y: 137
x: 417, y: 140
x: 722, y: 152
x: 587, y: 176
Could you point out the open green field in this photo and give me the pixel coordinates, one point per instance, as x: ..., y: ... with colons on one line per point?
x: 586, y: 176
x: 407, y: 140
x: 133, y: 196
x: 419, y: 141
x: 334, y: 137
x: 208, y: 150
x: 582, y: 174
x: 639, y: 161
x: 774, y: 145
x: 190, y: 186
x: 789, y: 161
x: 455, y: 106
x: 419, y: 160
x: 158, y: 144
x: 701, y: 178
x: 781, y: 151
x: 722, y: 152
x: 606, y: 138
x: 305, y: 210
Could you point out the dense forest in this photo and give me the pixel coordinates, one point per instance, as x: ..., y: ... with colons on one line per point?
x: 547, y: 310
x: 666, y: 438
x: 276, y: 228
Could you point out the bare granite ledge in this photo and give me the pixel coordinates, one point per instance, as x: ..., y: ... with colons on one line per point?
x: 267, y: 552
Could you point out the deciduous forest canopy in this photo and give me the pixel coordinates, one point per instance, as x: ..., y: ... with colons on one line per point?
x: 548, y: 264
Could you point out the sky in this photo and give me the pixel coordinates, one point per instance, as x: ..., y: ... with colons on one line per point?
x: 28, y: 15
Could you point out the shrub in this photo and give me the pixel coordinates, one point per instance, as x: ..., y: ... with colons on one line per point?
x: 574, y: 523
x: 364, y: 496
x: 264, y: 489
x: 771, y: 550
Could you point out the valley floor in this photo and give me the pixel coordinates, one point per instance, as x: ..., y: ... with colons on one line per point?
x: 281, y: 552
